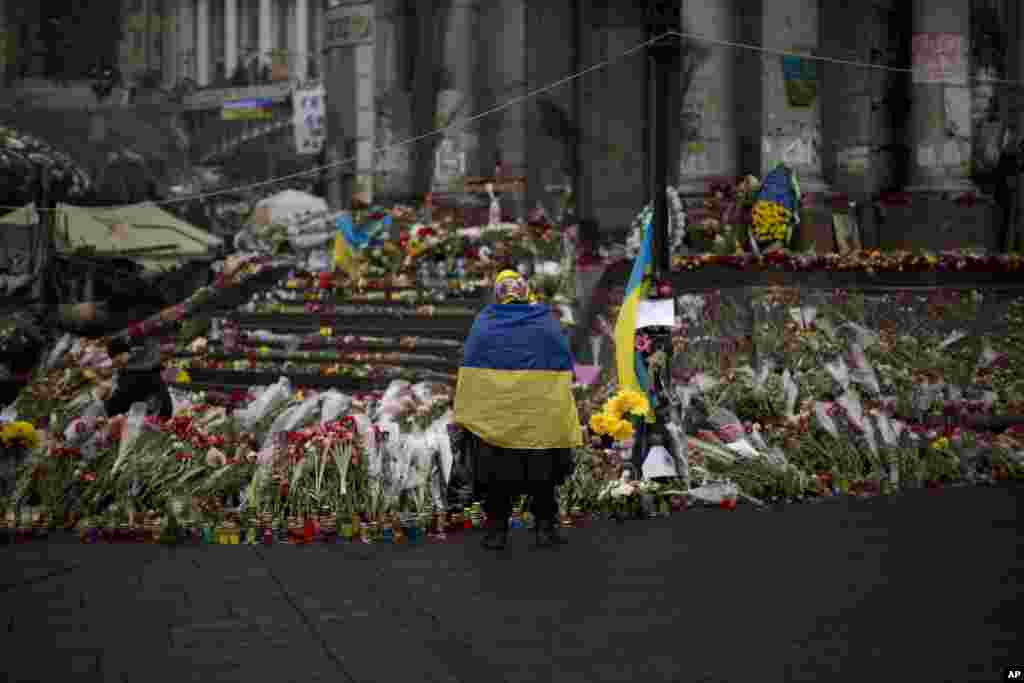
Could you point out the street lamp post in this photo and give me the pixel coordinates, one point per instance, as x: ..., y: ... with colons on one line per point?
x: 664, y: 58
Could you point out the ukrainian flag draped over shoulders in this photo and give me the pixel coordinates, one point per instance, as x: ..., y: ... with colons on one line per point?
x: 515, y: 383
x: 632, y: 373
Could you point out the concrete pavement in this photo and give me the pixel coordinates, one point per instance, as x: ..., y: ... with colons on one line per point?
x: 924, y: 586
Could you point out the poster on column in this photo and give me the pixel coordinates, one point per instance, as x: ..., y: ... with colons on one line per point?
x: 309, y: 119
x: 801, y: 78
x: 939, y: 58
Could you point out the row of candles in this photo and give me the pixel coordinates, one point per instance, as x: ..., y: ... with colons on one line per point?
x: 265, y: 529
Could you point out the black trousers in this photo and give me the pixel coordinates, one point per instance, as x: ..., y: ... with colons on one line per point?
x: 498, y: 501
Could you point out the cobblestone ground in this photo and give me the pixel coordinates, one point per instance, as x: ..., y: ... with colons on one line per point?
x: 924, y: 586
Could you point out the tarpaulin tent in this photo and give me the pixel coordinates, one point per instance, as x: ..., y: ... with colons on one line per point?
x: 147, y: 234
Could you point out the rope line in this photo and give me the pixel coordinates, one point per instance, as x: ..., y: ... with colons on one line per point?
x: 514, y: 101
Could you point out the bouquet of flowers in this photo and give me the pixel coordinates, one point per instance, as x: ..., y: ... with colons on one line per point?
x: 619, y: 413
x: 777, y: 207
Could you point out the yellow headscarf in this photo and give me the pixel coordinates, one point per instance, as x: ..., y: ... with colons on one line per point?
x: 511, y: 287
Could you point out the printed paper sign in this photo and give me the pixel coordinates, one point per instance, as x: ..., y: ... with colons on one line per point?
x: 656, y: 313
x: 349, y: 25
x: 309, y: 119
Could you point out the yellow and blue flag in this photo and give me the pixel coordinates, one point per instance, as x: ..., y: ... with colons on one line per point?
x: 344, y: 248
x: 351, y: 239
x: 515, y: 384
x: 632, y: 372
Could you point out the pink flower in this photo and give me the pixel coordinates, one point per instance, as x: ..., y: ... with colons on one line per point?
x: 643, y: 343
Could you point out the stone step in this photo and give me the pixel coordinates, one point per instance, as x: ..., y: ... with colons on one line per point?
x: 314, y: 342
x: 447, y: 327
x: 396, y: 358
x: 396, y: 299
x: 250, y: 378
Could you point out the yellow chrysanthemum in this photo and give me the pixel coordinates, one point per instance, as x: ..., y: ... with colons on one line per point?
x: 622, y: 430
x: 616, y: 407
x: 599, y: 423
x: 20, y: 434
x: 634, y: 402
x: 183, y: 377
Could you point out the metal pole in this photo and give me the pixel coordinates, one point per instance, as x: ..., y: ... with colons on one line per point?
x: 664, y: 56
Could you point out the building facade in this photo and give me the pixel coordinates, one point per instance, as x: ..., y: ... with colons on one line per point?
x: 856, y: 123
x: 211, y: 41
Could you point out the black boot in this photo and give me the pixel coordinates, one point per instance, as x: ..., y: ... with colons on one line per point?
x: 548, y: 535
x: 497, y: 535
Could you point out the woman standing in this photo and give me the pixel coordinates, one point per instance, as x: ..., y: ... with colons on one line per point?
x: 514, y: 398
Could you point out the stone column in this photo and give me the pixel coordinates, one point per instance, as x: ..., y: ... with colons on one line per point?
x: 457, y: 102
x: 709, y: 149
x: 351, y: 126
x: 791, y: 98
x: 203, y: 42
x: 186, y: 42
x: 169, y: 31
x: 266, y: 42
x: 317, y: 36
x: 300, y: 57
x: 394, y: 167
x: 230, y: 37
x: 941, y: 110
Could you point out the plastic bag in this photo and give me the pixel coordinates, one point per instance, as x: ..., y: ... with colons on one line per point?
x: 715, y: 492
x: 441, y: 444
x: 82, y: 428
x: 309, y: 240
x: 762, y: 374
x: 926, y: 394
x: 320, y: 260
x: 181, y: 400
x: 869, y: 436
x: 952, y: 339
x: 335, y: 404
x: 731, y: 432
x: 268, y: 400
x: 293, y: 419
x: 839, y: 372
x: 791, y: 392
x: 886, y: 431
x: 376, y: 450
x: 854, y: 409
x: 418, y: 460
x: 133, y: 427
x: 824, y: 419
x: 858, y: 334
x: 398, y: 393
x: 704, y: 383
x: 804, y: 316
x: 62, y: 346
x: 863, y: 373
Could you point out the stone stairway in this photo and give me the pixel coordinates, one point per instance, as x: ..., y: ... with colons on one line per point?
x: 334, y: 338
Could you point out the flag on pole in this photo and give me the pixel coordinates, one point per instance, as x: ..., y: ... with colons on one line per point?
x: 632, y: 373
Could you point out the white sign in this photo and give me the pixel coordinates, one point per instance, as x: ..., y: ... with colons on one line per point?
x: 656, y: 313
x: 349, y: 25
x: 310, y: 119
